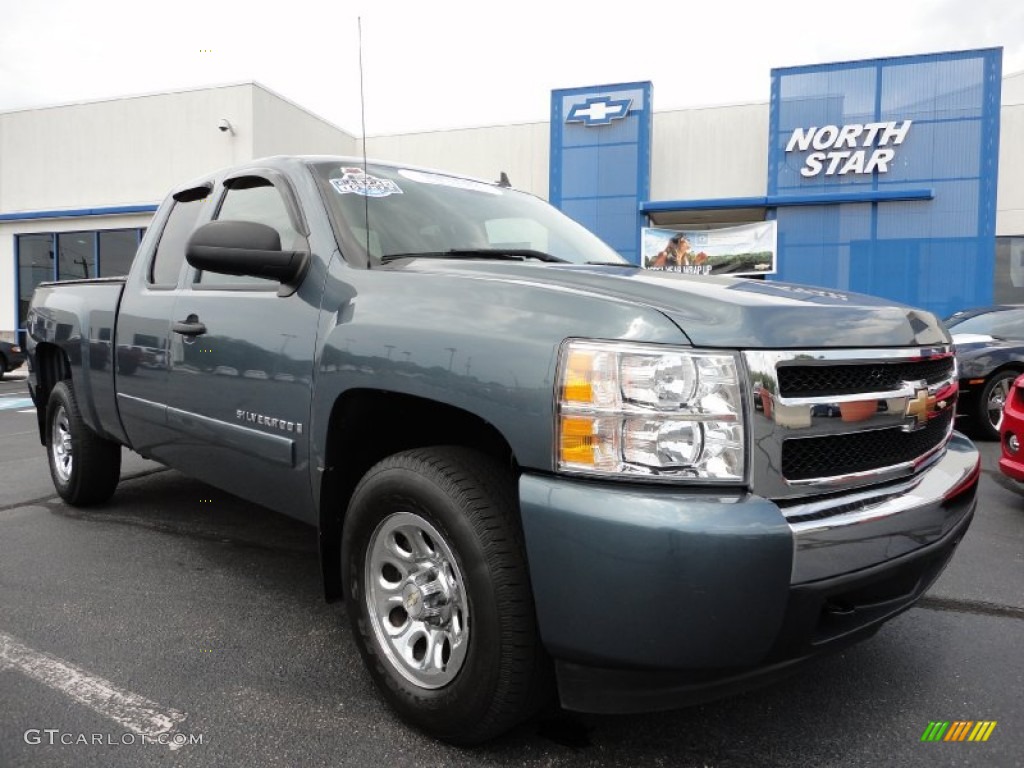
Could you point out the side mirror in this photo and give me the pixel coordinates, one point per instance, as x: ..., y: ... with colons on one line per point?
x: 245, y: 248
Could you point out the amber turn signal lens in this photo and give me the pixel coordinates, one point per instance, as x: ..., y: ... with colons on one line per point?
x: 578, y: 440
x: 577, y: 380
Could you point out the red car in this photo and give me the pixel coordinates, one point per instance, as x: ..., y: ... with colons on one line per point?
x: 1012, y: 432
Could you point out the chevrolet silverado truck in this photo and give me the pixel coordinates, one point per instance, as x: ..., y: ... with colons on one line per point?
x: 536, y: 469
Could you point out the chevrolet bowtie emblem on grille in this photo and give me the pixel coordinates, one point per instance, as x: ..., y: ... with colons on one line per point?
x: 922, y: 407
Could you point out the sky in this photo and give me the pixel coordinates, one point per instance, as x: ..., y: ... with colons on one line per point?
x: 451, y: 64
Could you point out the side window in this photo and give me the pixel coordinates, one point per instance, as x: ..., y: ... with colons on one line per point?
x: 264, y: 205
x: 170, y: 251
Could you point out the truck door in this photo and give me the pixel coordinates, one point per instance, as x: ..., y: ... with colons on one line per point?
x: 241, y: 363
x: 143, y: 334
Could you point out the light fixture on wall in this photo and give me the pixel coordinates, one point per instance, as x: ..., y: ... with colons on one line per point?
x: 225, y: 126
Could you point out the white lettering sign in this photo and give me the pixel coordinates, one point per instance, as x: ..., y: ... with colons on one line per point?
x: 856, y: 148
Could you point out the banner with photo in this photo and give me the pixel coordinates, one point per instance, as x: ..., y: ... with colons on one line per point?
x: 748, y: 249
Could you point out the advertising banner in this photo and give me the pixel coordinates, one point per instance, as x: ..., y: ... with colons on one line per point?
x: 748, y: 249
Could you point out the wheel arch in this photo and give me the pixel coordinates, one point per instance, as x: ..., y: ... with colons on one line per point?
x: 1016, y: 366
x: 368, y: 425
x: 50, y: 366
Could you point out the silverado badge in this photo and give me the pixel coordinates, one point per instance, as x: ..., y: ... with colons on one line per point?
x: 267, y: 421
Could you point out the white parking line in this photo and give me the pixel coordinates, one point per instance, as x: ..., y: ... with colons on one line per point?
x: 10, y: 403
x: 133, y: 712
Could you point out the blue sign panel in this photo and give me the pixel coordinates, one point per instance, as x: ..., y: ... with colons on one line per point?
x: 878, y: 128
x: 600, y: 167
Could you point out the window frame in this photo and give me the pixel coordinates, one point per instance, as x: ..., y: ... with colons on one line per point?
x: 237, y: 181
x: 197, y: 194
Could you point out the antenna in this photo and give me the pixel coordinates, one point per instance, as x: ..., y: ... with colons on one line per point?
x: 362, y: 112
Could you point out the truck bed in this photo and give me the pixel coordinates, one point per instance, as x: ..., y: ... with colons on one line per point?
x: 79, y: 317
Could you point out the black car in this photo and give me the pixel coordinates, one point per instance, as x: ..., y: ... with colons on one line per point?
x: 11, y: 356
x: 990, y: 354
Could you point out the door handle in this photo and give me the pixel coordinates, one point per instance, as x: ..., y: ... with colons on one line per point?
x: 190, y: 326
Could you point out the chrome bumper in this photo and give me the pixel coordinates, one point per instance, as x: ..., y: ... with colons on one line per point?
x: 882, y: 523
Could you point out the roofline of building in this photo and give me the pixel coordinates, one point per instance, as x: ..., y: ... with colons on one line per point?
x: 175, y: 91
x: 127, y: 97
x: 314, y: 115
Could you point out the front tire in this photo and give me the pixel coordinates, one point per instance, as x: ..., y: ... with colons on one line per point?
x: 84, y: 466
x: 439, y: 596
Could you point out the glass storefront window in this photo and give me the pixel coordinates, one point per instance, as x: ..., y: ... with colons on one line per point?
x: 1009, y: 271
x: 86, y: 254
x: 35, y: 266
x: 117, y: 250
x: 76, y: 255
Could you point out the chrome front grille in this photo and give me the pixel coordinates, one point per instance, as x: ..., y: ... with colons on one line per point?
x: 832, y: 420
x: 816, y: 380
x: 842, y: 454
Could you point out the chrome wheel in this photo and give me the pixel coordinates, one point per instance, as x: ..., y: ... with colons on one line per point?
x: 416, y: 600
x: 60, y: 444
x: 996, y: 400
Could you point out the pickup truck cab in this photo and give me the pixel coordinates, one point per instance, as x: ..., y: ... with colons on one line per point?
x: 533, y: 466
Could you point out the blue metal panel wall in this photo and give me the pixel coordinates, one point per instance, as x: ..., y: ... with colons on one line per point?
x: 936, y: 253
x: 600, y: 167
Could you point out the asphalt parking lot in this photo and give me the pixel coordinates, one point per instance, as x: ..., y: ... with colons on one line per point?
x: 176, y: 603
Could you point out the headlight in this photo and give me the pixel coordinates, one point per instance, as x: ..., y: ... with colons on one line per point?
x: 633, y: 409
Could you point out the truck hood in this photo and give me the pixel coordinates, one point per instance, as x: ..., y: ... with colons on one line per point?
x: 728, y: 312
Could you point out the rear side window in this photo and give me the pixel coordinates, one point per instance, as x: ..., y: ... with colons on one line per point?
x: 170, y: 251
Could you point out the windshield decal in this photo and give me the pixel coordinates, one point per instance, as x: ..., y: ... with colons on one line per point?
x: 449, y: 181
x: 355, y: 182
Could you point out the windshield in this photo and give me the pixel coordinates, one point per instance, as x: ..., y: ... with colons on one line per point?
x: 1001, y: 324
x: 414, y: 212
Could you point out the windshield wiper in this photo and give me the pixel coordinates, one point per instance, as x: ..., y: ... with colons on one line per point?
x: 612, y: 264
x: 502, y: 254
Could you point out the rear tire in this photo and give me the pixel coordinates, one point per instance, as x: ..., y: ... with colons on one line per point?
x: 85, y: 467
x: 439, y: 596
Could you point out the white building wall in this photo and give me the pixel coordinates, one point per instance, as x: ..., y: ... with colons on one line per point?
x: 710, y: 153
x: 119, y: 152
x: 1013, y: 89
x: 1010, y: 197
x: 521, y: 151
x: 127, y: 151
x: 283, y: 128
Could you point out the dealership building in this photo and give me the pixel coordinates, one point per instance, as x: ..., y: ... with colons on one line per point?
x: 901, y: 177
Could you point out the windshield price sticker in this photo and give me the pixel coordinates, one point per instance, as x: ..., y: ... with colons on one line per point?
x: 355, y: 182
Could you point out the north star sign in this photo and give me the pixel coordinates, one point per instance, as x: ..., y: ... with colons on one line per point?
x: 599, y: 110
x: 855, y: 148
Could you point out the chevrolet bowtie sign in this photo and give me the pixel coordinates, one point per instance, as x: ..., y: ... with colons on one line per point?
x: 599, y: 110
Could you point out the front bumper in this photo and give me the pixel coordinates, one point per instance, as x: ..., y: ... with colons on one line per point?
x: 651, y: 597
x: 1012, y: 464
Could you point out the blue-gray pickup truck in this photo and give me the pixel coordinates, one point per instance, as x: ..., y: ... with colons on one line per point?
x: 536, y: 470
